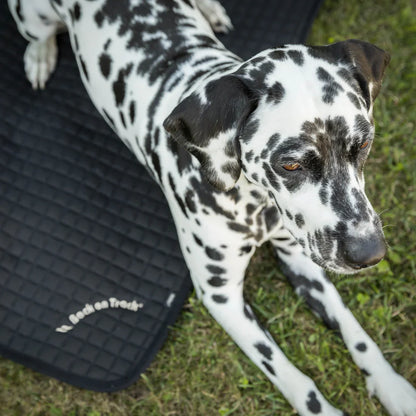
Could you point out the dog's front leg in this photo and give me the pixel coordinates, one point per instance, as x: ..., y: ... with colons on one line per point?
x: 310, y: 282
x: 218, y: 280
x: 237, y: 318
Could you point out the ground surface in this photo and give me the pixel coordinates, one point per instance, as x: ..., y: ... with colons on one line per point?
x: 199, y: 371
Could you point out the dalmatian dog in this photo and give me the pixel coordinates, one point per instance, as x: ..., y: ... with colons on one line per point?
x: 270, y: 149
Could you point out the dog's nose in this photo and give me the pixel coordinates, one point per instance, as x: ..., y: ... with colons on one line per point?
x: 364, y: 252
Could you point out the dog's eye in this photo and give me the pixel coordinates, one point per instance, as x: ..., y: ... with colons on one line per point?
x: 292, y: 166
x: 364, y: 145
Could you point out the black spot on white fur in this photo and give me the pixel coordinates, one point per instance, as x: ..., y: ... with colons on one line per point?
x: 190, y: 203
x: 109, y: 119
x: 236, y: 226
x: 77, y: 11
x: 123, y: 120
x: 331, y: 88
x: 323, y: 194
x: 250, y: 130
x: 215, y: 269
x: 313, y: 403
x: 19, y: 11
x: 156, y: 164
x: 105, y: 62
x: 248, y: 312
x: 176, y: 195
x: 76, y: 43
x: 264, y: 350
x: 361, y: 346
x: 272, y: 142
x: 99, y: 18
x: 269, y: 368
x: 214, y: 254
x: 217, y: 281
x: 197, y: 240
x: 119, y: 89
x: 297, y: 57
x: 119, y: 85
x: 278, y: 55
x: 354, y: 99
x: 107, y: 44
x: 275, y: 93
x: 219, y: 298
x: 300, y: 222
x: 132, y: 111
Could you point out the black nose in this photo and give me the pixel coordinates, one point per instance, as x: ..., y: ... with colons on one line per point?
x: 364, y: 252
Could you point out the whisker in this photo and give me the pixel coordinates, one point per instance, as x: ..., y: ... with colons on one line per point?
x: 383, y: 211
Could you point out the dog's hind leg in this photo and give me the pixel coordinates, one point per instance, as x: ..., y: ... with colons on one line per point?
x: 310, y: 282
x: 37, y: 22
x: 216, y: 15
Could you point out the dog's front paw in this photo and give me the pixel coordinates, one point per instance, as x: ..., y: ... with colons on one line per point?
x: 395, y: 393
x: 40, y: 61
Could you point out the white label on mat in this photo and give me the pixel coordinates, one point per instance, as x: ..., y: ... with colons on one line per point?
x: 90, y: 308
x: 170, y: 299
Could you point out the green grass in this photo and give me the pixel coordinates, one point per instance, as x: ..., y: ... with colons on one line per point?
x: 200, y: 371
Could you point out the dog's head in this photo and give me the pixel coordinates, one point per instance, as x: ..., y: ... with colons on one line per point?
x: 297, y: 121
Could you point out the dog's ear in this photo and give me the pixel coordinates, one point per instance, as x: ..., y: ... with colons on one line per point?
x: 207, y: 124
x: 368, y: 62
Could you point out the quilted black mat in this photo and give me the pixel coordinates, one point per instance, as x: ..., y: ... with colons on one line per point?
x: 91, y: 274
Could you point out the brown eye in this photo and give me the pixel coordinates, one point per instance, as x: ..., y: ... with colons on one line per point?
x: 364, y: 145
x: 292, y: 166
